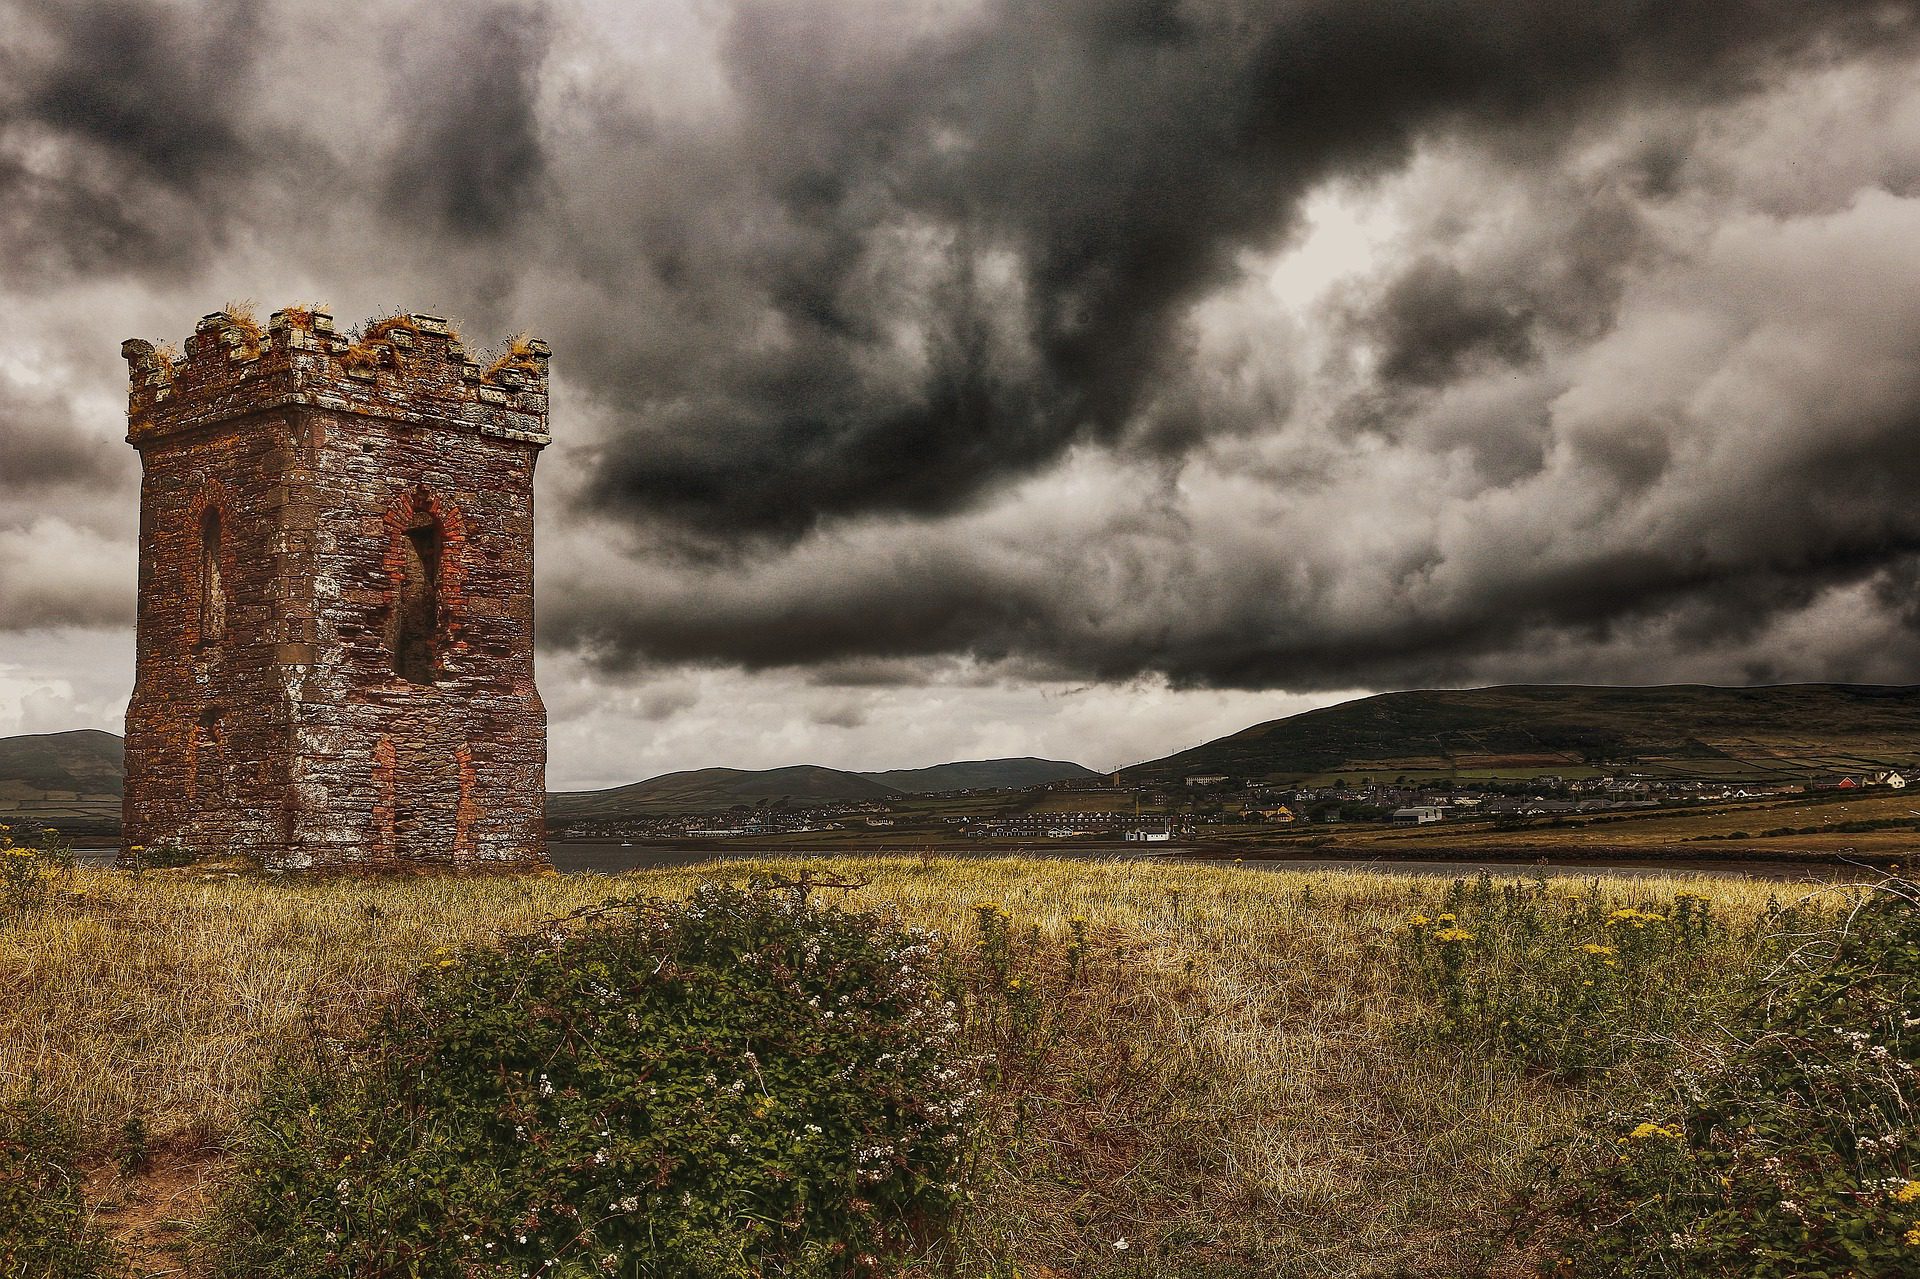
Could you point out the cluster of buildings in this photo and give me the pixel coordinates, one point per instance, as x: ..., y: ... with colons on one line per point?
x: 1131, y: 827
x: 1541, y: 796
x: 1203, y: 802
x: 732, y: 823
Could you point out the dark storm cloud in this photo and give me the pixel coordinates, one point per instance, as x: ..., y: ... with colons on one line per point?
x: 119, y: 124
x: 471, y: 157
x: 1433, y: 322
x: 132, y: 79
x: 1121, y: 154
x: 891, y: 336
x: 44, y: 450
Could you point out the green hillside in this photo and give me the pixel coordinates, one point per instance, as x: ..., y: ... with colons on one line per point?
x: 1786, y: 732
x: 982, y: 774
x: 708, y: 789
x: 83, y: 762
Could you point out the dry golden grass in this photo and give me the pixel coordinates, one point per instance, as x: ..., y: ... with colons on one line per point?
x: 518, y: 355
x: 300, y: 314
x: 240, y: 317
x: 1232, y: 1080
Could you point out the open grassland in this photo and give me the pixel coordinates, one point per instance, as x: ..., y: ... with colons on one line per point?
x: 1211, y: 1071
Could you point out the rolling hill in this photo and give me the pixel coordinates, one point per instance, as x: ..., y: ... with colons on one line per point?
x: 718, y: 788
x: 83, y: 762
x: 982, y: 774
x: 1786, y: 732
x: 709, y: 789
x: 88, y: 762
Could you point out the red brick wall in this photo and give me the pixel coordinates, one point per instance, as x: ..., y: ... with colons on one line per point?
x: 292, y: 736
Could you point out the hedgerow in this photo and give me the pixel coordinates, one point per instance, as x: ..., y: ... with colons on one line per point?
x: 1794, y: 1152
x: 744, y: 1085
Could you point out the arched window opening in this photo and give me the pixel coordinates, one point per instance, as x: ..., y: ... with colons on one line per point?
x: 416, y: 638
x: 213, y: 587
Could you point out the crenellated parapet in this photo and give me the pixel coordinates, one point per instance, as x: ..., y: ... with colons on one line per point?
x: 403, y: 369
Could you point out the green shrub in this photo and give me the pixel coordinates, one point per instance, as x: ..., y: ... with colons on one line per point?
x: 168, y: 854
x: 1572, y: 985
x: 1796, y: 1154
x: 31, y: 864
x: 44, y: 1229
x: 743, y: 1085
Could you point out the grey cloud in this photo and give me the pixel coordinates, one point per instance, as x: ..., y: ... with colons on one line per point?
x: 1432, y: 323
x: 120, y: 129
x: 880, y: 326
x: 1730, y: 453
x: 471, y: 157
x: 43, y: 450
x: 1120, y: 154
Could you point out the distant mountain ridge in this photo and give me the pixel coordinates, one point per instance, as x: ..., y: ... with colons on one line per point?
x: 707, y: 789
x: 89, y: 762
x: 84, y: 761
x: 1784, y: 731
x: 704, y: 789
x: 983, y: 774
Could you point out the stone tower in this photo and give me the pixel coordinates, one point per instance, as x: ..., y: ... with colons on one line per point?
x: 335, y: 639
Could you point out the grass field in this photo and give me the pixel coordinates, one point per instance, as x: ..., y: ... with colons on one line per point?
x: 1239, y: 1078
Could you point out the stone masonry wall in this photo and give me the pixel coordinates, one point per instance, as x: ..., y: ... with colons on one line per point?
x: 368, y: 495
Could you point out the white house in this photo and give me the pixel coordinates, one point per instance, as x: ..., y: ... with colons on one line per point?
x: 1419, y: 815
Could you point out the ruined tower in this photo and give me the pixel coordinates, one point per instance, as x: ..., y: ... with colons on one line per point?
x: 335, y: 639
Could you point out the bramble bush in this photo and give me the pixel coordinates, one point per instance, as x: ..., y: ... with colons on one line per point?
x: 45, y: 1232
x: 743, y: 1085
x: 1795, y: 1153
x: 1570, y: 985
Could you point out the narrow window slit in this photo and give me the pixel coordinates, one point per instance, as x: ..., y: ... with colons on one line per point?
x: 213, y: 589
x: 416, y: 638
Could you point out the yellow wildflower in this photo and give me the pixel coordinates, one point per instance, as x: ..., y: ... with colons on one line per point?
x: 1907, y: 1193
x: 1593, y: 949
x: 1651, y: 1129
x: 1452, y: 934
x: 1417, y: 919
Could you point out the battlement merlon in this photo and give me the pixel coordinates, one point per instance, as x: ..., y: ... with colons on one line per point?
x: 405, y: 368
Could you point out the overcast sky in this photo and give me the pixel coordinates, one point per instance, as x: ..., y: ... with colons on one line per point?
x: 1082, y: 378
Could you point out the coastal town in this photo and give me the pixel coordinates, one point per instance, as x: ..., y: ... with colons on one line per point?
x: 1217, y: 805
